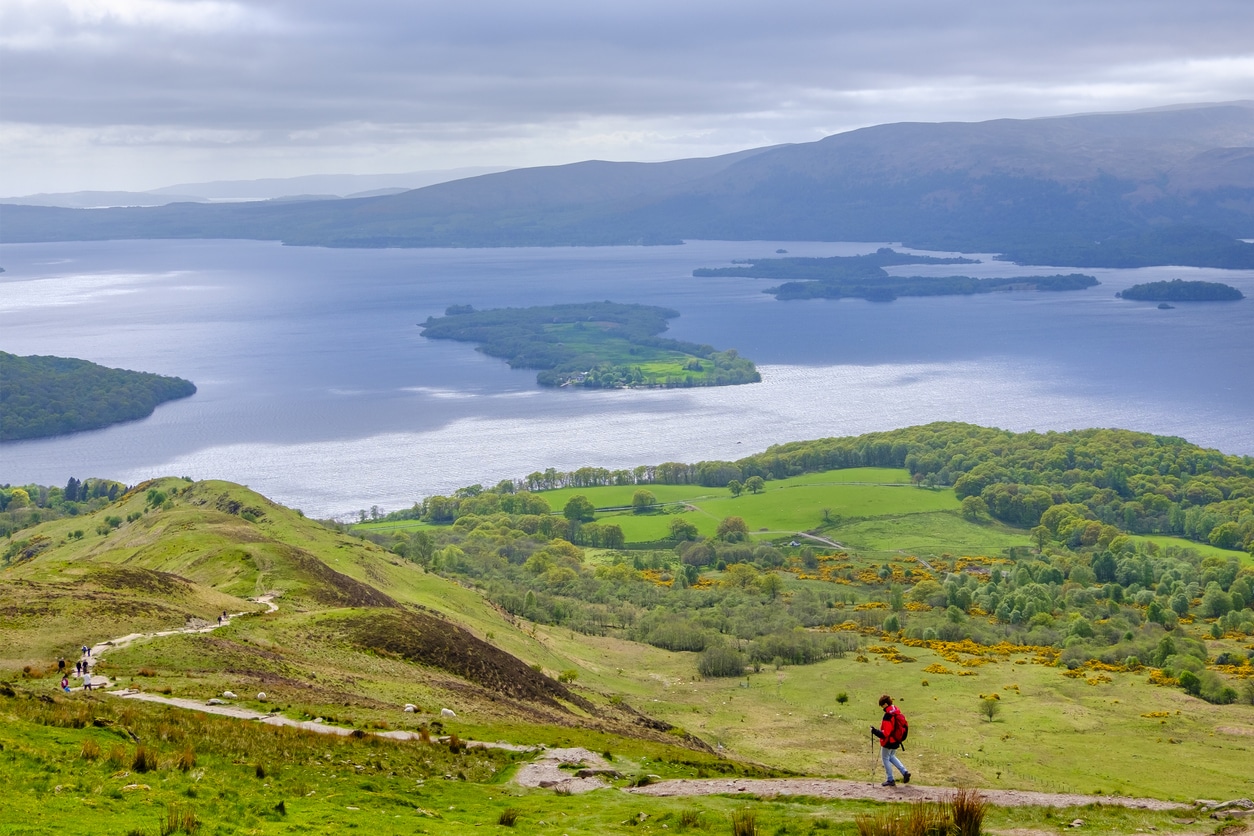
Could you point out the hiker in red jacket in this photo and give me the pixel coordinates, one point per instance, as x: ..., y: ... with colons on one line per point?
x: 891, y: 733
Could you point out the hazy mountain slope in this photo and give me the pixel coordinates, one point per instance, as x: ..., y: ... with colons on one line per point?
x: 987, y: 183
x: 990, y: 185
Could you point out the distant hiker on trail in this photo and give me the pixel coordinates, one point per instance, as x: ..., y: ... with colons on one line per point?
x: 219, y: 621
x: 86, y: 680
x: 61, y: 664
x: 86, y: 650
x: 65, y: 684
x: 78, y: 668
x: 891, y: 733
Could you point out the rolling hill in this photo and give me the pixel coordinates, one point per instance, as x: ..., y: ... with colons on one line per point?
x: 186, y: 552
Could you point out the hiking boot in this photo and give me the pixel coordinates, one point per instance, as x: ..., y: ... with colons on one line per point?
x: 905, y: 777
x: 889, y: 783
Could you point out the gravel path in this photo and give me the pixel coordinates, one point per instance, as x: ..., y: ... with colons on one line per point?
x: 835, y: 788
x: 581, y: 770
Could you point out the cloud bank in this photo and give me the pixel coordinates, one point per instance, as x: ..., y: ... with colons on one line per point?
x: 143, y: 93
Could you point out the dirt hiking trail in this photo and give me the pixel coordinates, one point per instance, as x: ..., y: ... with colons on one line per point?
x: 580, y: 770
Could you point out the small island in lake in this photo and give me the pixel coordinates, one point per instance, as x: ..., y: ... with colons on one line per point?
x: 1178, y: 290
x: 864, y: 277
x: 595, y: 345
x: 44, y: 396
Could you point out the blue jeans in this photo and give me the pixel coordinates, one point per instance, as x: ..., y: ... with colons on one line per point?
x: 889, y: 758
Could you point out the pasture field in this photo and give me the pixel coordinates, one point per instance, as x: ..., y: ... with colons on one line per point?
x: 800, y: 508
x: 1204, y: 549
x: 926, y: 534
x: 1054, y: 733
x: 786, y: 506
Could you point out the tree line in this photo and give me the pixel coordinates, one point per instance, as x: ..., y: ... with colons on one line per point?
x: 1134, y: 482
x: 45, y: 396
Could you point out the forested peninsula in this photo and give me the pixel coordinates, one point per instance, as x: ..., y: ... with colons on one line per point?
x: 42, y: 396
x: 864, y: 277
x: 1178, y: 290
x: 593, y: 345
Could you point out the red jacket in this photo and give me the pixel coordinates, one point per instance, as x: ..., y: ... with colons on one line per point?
x: 886, y: 727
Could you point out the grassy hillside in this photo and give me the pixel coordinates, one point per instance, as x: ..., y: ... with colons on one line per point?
x: 361, y: 630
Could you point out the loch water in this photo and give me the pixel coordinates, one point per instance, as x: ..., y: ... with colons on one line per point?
x: 316, y: 388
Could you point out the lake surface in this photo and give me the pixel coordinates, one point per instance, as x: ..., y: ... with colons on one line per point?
x: 316, y: 389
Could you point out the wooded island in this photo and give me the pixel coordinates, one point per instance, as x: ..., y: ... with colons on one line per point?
x: 1178, y: 290
x: 594, y: 345
x: 45, y: 396
x: 864, y: 277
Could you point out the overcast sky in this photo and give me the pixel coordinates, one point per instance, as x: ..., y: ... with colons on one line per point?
x: 136, y: 94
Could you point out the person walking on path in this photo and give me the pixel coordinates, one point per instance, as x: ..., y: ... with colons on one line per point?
x: 61, y: 664
x: 890, y: 734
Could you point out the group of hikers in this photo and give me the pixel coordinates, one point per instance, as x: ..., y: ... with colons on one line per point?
x: 82, y: 668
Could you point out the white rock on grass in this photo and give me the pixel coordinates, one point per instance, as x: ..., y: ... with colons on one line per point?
x: 214, y: 701
x: 447, y: 712
x: 410, y: 708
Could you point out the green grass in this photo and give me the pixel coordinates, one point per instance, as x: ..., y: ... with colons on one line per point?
x: 1054, y: 733
x: 319, y: 784
x: 1204, y: 549
x: 927, y: 534
x: 800, y: 508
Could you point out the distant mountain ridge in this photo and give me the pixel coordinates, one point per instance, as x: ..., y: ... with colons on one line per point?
x: 999, y: 186
x: 309, y: 187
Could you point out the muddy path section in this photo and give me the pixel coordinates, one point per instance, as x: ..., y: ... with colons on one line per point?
x: 837, y: 789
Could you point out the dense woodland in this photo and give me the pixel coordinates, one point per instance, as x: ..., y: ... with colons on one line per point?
x: 1178, y: 290
x: 45, y: 396
x: 1085, y: 596
x: 595, y: 345
x: 1133, y: 482
x: 890, y: 287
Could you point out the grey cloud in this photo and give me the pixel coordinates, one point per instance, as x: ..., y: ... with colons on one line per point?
x: 431, y: 71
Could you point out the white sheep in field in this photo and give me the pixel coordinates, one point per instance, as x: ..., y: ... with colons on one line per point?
x: 447, y: 712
